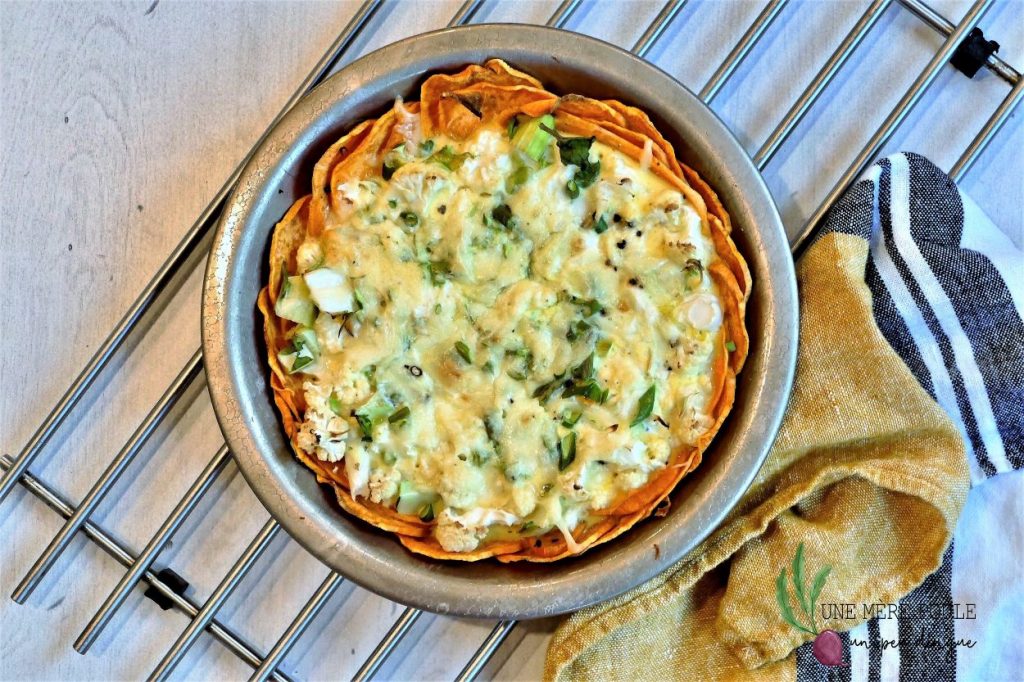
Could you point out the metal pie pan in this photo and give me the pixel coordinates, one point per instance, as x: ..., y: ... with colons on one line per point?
x: 234, y: 351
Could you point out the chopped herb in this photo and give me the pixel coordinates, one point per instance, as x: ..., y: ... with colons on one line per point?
x: 437, y: 308
x: 590, y: 306
x: 513, y: 126
x: 575, y: 151
x: 389, y: 458
x: 661, y: 421
x: 694, y: 270
x: 399, y: 415
x: 527, y: 527
x: 393, y: 203
x: 644, y: 407
x: 427, y: 513
x: 438, y: 271
x: 489, y: 367
x: 334, y: 403
x: 502, y: 214
x: 516, y: 374
x: 730, y: 346
x: 566, y: 450
x: 601, y: 225
x: 409, y: 218
x: 602, y: 347
x: 426, y: 146
x: 464, y: 352
x: 577, y: 329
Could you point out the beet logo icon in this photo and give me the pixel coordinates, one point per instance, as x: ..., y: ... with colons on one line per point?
x: 828, y: 648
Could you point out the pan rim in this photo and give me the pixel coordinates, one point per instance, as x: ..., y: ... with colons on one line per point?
x: 485, y: 589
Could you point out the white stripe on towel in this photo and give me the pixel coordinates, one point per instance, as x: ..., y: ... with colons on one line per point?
x: 963, y: 354
x: 917, y: 327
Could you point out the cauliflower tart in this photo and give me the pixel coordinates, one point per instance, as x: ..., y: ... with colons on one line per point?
x: 504, y: 323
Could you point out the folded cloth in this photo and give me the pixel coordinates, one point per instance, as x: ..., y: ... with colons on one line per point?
x: 908, y: 383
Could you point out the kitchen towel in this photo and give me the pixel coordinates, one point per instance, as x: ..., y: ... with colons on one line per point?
x: 909, y: 387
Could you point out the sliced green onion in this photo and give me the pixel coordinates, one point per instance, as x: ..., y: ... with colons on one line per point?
x: 644, y: 407
x: 427, y: 146
x: 294, y: 301
x: 567, y: 450
x: 399, y: 415
x: 427, y: 513
x: 570, y: 418
x: 601, y: 225
x: 531, y: 137
x: 334, y: 403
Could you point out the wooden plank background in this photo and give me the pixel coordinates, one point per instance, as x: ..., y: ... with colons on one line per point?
x: 121, y: 120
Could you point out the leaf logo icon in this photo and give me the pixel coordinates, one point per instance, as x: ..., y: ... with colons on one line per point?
x: 828, y: 647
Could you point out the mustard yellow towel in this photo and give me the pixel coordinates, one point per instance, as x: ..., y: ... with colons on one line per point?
x: 868, y: 474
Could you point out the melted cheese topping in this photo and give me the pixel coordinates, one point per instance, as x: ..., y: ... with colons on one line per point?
x: 484, y: 299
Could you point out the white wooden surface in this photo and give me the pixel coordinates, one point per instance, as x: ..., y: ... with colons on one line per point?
x: 120, y: 121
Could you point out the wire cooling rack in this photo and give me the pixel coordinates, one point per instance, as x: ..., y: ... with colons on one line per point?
x: 961, y: 43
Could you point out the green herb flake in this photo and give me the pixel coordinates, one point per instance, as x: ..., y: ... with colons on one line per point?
x: 730, y: 346
x: 513, y: 126
x: 392, y: 203
x: 601, y: 225
x: 426, y: 147
x: 464, y: 351
x: 409, y: 218
x: 644, y: 407
x: 570, y: 417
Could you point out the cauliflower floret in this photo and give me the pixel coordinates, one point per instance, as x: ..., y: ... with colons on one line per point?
x: 462, y: 532
x: 454, y: 537
x: 328, y: 333
x: 309, y: 254
x: 384, y: 485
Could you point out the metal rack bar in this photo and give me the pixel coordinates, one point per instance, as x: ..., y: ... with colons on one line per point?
x: 103, y: 484
x: 895, y: 117
x: 387, y: 645
x: 181, y: 254
x: 944, y: 26
x: 309, y: 612
x: 466, y: 13
x: 564, y: 13
x: 202, y: 619
x: 657, y: 27
x: 753, y: 34
x: 490, y: 645
x: 123, y: 556
x: 156, y: 544
x: 819, y: 83
x: 989, y: 131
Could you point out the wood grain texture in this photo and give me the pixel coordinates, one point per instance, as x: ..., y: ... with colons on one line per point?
x: 121, y: 120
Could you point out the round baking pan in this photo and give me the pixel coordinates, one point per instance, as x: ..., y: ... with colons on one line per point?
x: 237, y: 373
